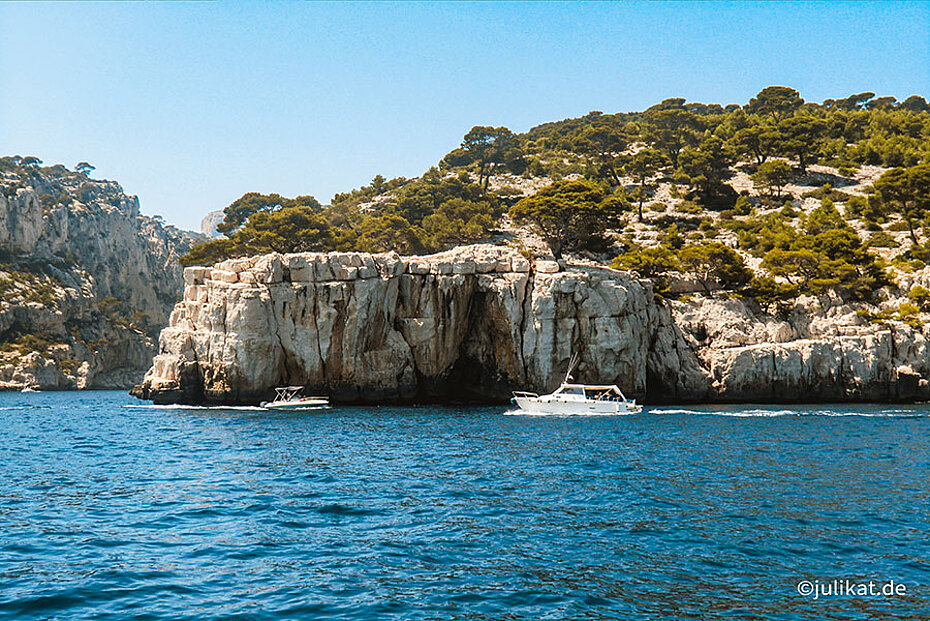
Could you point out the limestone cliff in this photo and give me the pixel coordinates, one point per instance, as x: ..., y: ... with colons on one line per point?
x: 86, y: 280
x: 479, y: 321
x: 472, y: 323
x: 824, y: 350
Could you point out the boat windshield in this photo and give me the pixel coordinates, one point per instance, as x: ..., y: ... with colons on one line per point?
x: 593, y: 393
x: 603, y: 394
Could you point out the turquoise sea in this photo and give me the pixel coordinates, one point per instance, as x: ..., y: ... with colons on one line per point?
x: 111, y: 509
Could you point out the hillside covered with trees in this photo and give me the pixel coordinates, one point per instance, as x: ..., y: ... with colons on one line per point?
x: 772, y: 199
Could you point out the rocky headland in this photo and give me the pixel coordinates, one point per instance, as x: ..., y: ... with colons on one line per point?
x: 476, y: 322
x: 86, y: 280
x: 772, y: 251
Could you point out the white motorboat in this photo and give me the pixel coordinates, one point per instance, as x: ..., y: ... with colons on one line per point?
x: 289, y: 398
x: 577, y: 399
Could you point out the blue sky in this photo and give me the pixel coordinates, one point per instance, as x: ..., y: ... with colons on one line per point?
x: 191, y: 105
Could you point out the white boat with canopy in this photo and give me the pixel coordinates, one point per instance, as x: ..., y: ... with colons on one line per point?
x: 577, y: 399
x: 289, y: 398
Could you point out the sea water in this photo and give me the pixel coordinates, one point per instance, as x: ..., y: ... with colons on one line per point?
x: 111, y: 509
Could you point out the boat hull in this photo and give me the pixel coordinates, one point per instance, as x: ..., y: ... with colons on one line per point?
x: 288, y: 406
x: 538, y: 405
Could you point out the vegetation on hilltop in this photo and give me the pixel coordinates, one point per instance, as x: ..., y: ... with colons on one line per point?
x: 571, y: 215
x: 56, y: 182
x: 679, y: 187
x: 84, y: 278
x: 418, y: 215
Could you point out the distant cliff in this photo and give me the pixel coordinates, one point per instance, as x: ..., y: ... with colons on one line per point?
x: 86, y: 280
x: 479, y: 321
x: 209, y: 223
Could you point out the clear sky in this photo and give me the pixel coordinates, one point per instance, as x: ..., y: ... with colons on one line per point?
x: 190, y: 105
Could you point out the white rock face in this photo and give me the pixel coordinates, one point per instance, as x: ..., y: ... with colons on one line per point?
x: 69, y: 243
x: 822, y: 352
x: 477, y: 322
x: 472, y: 323
x: 209, y: 223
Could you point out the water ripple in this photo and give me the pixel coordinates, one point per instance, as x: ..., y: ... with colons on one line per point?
x: 110, y: 509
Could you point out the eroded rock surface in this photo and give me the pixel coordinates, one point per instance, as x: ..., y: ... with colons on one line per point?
x: 86, y: 280
x: 479, y: 321
x: 472, y: 323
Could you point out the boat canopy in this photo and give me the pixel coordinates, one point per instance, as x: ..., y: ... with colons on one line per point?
x: 288, y: 392
x: 593, y: 391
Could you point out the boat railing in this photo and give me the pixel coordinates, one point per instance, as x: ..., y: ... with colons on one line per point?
x: 519, y: 393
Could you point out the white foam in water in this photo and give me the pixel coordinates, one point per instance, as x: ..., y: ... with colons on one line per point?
x: 746, y: 413
x: 152, y: 406
x: 890, y: 413
x: 764, y: 413
x: 735, y: 413
x: 882, y: 413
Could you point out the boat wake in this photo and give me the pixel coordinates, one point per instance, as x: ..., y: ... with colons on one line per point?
x: 767, y: 413
x: 152, y: 406
x: 734, y: 413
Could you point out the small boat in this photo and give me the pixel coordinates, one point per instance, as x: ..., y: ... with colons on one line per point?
x: 28, y: 388
x: 289, y: 398
x: 577, y: 399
